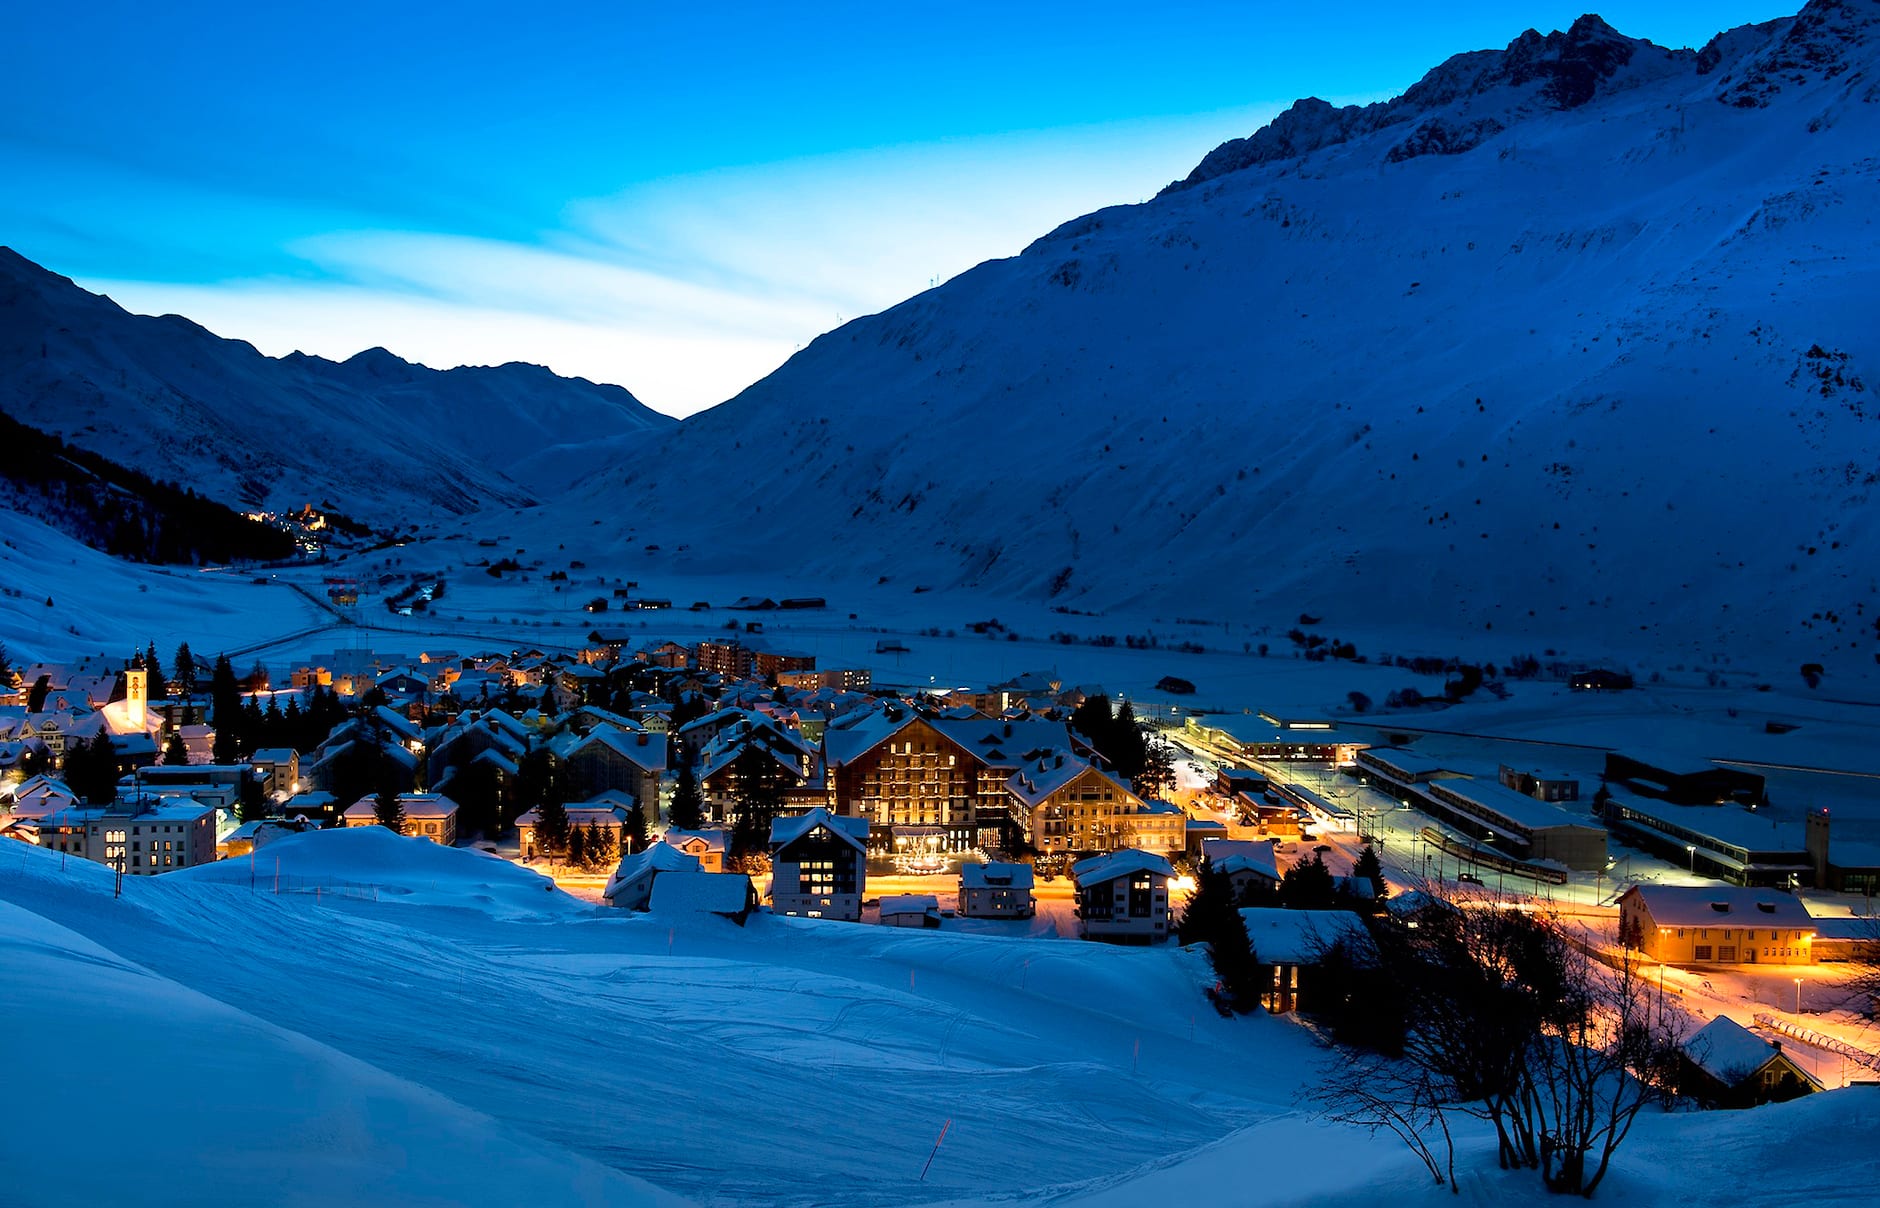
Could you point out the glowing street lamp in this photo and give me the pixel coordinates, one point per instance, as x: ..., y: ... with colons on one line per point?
x: 1691, y: 850
x: 1798, y: 996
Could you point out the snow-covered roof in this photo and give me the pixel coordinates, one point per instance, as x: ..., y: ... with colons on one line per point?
x: 908, y: 903
x: 1721, y: 906
x: 1120, y: 863
x: 713, y: 838
x: 785, y: 831
x: 1232, y: 856
x: 1300, y: 937
x: 658, y: 858
x: 1728, y: 1051
x: 995, y: 876
x: 701, y: 893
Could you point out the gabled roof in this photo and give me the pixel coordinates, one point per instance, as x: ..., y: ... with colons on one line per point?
x: 1720, y: 906
x: 1120, y: 863
x: 908, y: 903
x: 713, y: 838
x: 658, y: 858
x: 1233, y: 856
x: 1728, y: 1051
x: 853, y: 831
x: 645, y: 752
x: 1301, y: 937
x: 727, y: 893
x: 995, y: 876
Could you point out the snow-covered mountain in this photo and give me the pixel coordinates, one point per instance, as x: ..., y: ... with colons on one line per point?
x: 1574, y: 338
x: 376, y: 436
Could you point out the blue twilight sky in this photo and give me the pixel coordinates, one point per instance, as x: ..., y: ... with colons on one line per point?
x: 673, y: 197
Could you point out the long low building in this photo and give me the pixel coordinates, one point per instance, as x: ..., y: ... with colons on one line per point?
x: 1728, y: 842
x: 1400, y: 768
x: 1525, y: 828
x: 1716, y: 925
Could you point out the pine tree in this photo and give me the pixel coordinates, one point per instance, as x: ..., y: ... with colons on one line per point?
x: 253, y: 806
x: 1308, y: 885
x: 1368, y: 865
x: 577, y: 848
x: 600, y: 846
x: 6, y: 667
x: 159, y: 687
x: 225, y: 703
x: 1127, y: 748
x: 633, y: 834
x: 185, y: 664
x: 390, y: 811
x: 687, y: 811
x: 175, y: 754
x: 551, y: 827
x: 36, y: 695
x: 1157, y: 778
x: 1212, y: 900
x: 758, y: 801
x: 1093, y: 719
x: 90, y: 770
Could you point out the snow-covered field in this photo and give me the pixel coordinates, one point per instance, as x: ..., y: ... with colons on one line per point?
x: 464, y: 1035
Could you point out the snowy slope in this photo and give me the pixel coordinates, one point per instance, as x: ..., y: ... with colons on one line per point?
x: 1574, y: 343
x: 62, y: 600
x: 377, y: 436
x: 138, y: 1090
x: 292, y: 1047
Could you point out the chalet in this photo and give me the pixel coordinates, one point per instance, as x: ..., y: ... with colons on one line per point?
x: 1716, y: 925
x: 1074, y: 806
x: 910, y: 910
x: 1251, y: 865
x: 430, y: 816
x: 996, y: 891
x: 729, y: 895
x: 818, y: 865
x: 611, y: 758
x: 38, y: 796
x: 1123, y: 897
x: 606, y: 812
x: 281, y: 765
x: 631, y: 886
x: 708, y: 844
x: 1294, y: 944
x: 1723, y: 1064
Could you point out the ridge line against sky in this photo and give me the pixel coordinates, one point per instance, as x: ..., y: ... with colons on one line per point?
x: 670, y: 200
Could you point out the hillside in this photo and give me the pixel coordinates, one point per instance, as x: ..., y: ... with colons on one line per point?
x: 376, y: 436
x: 429, y: 1027
x: 1572, y: 342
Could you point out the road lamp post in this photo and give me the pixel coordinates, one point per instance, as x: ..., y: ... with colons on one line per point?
x: 1690, y: 849
x: 1798, y: 996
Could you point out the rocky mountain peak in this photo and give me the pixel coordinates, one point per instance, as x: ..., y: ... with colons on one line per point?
x: 1465, y: 99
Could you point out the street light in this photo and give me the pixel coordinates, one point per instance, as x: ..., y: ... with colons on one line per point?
x: 1798, y: 996
x: 1691, y: 850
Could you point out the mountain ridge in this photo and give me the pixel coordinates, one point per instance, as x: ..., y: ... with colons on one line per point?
x: 1572, y: 373
x: 374, y: 435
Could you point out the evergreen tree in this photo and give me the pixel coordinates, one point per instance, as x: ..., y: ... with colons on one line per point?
x: 253, y: 805
x: 1308, y: 885
x: 1368, y: 865
x: 1213, y: 899
x: 551, y: 827
x: 390, y: 811
x: 36, y: 695
x: 578, y: 847
x: 758, y: 801
x: 185, y: 664
x: 1156, y: 780
x: 159, y: 687
x: 1242, y: 979
x: 599, y: 845
x: 633, y: 833
x: 477, y: 790
x: 1093, y: 719
x: 606, y: 849
x: 175, y: 754
x: 1127, y: 749
x: 225, y: 704
x: 90, y: 770
x: 687, y: 811
x: 6, y: 667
